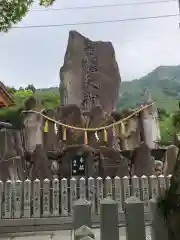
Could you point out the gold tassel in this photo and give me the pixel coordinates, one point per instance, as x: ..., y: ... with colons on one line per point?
x: 64, y: 134
x: 105, y: 135
x: 85, y: 138
x: 46, y: 126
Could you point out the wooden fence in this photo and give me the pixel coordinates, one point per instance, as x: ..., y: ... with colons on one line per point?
x: 55, y: 198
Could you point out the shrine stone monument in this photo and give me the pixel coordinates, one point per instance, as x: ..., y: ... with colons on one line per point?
x: 90, y: 71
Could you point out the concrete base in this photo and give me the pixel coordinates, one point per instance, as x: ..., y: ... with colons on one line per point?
x: 48, y: 224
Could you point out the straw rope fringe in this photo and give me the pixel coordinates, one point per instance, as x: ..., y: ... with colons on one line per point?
x: 89, y: 129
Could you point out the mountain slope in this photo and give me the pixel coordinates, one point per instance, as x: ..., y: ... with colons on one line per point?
x: 164, y: 82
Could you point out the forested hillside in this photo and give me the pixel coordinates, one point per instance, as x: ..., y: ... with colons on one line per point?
x: 165, y: 85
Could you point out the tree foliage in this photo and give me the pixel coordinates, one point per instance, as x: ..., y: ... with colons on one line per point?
x: 12, y: 11
x: 31, y: 87
x: 49, y: 99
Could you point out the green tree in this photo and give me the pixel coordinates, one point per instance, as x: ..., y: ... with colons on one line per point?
x: 167, y: 129
x: 162, y: 113
x: 12, y: 11
x: 11, y: 90
x: 31, y: 87
x: 21, y: 95
x: 49, y: 98
x: 12, y: 115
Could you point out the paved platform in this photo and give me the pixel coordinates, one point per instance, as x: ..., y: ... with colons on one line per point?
x: 57, y: 235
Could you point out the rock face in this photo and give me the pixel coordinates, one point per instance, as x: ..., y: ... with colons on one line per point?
x: 89, y: 73
x: 142, y: 161
x: 170, y: 159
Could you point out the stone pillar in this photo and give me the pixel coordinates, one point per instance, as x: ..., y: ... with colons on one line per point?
x: 143, y: 164
x: 33, y: 131
x: 170, y: 160
x: 156, y: 129
x: 109, y: 219
x: 81, y: 214
x: 134, y: 219
x: 147, y: 121
x: 159, y: 227
x: 156, y: 135
x: 151, y: 126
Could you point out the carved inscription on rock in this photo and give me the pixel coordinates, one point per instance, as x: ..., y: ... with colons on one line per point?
x: 78, y: 166
x: 90, y: 66
x: 90, y: 72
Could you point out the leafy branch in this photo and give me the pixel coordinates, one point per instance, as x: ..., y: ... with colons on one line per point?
x: 12, y: 11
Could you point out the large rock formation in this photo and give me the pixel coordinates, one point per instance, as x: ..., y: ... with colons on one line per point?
x: 90, y: 71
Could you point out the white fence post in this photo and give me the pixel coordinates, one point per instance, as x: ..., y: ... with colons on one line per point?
x: 162, y: 184
x: 108, y: 187
x: 27, y: 199
x: 55, y: 197
x: 73, y: 193
x: 46, y: 197
x: 18, y: 199
x: 27, y: 196
x: 8, y: 199
x: 82, y: 186
x: 118, y: 193
x: 153, y: 186
x: 145, y: 192
x: 1, y: 198
x: 168, y: 180
x: 36, y: 198
x: 126, y: 189
x: 135, y: 187
x: 100, y: 192
x: 64, y: 197
x: 91, y: 194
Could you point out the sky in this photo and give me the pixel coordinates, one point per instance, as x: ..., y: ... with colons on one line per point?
x: 35, y: 55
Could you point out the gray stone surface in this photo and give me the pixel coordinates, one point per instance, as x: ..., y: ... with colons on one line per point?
x: 82, y: 232
x: 143, y: 164
x: 90, y: 71
x: 62, y: 235
x: 109, y: 219
x: 81, y: 214
x: 170, y: 160
x: 134, y: 219
x: 159, y: 227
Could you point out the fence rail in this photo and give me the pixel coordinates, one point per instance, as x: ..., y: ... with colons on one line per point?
x: 55, y: 198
